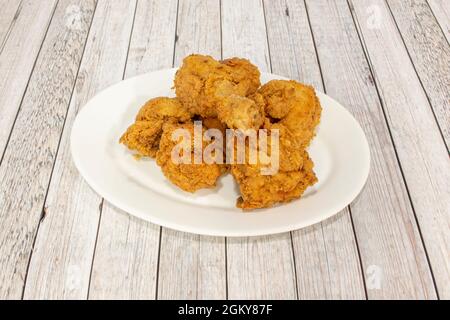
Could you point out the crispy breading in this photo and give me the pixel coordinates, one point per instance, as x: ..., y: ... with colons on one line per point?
x: 294, y: 105
x: 294, y: 176
x: 188, y: 176
x: 240, y: 113
x: 202, y: 82
x: 260, y: 191
x: 143, y: 136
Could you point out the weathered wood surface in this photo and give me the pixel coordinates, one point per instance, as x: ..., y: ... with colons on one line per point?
x: 384, y: 221
x: 62, y: 261
x: 422, y: 152
x: 10, y: 12
x: 17, y: 58
x: 326, y: 255
x: 28, y: 160
x: 263, y: 267
x: 59, y: 239
x: 429, y: 51
x: 441, y: 11
x: 193, y: 266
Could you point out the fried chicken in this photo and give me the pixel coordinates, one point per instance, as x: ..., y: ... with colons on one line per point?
x: 294, y: 105
x: 143, y: 136
x: 227, y: 95
x: 295, y: 174
x: 260, y: 191
x: 239, y: 112
x: 202, y: 82
x: 188, y: 176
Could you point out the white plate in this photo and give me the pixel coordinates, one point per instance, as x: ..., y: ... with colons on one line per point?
x: 340, y: 152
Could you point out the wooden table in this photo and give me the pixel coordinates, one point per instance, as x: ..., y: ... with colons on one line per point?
x: 388, y: 62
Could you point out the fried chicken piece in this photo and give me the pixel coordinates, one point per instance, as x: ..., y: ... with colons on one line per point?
x: 202, y: 82
x: 294, y: 105
x: 214, y: 123
x: 239, y: 112
x: 294, y: 176
x: 245, y: 75
x: 143, y: 136
x: 163, y: 108
x: 188, y: 176
x: 260, y: 191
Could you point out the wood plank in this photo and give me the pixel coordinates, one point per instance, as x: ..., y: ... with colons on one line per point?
x: 60, y: 267
x: 430, y: 54
x: 326, y: 254
x: 262, y: 267
x: 441, y: 10
x: 421, y: 150
x: 126, y: 256
x: 10, y: 12
x: 392, y: 253
x: 17, y: 60
x: 192, y: 266
x: 151, y: 46
x: 28, y: 161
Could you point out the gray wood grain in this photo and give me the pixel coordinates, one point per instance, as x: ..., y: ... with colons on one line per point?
x: 389, y: 241
x: 10, y: 12
x: 326, y: 254
x: 75, y: 246
x: 441, y: 10
x: 421, y: 150
x: 17, y: 59
x: 28, y: 160
x: 263, y: 267
x: 430, y: 53
x: 193, y: 266
x: 60, y: 267
x: 126, y: 257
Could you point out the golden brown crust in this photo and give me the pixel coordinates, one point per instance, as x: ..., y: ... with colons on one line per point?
x: 241, y: 113
x: 264, y: 191
x: 190, y: 177
x: 295, y: 105
x: 143, y: 136
x: 295, y: 174
x: 202, y: 82
x: 163, y: 108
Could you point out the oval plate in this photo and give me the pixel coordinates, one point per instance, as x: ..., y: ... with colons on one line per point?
x: 340, y: 152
